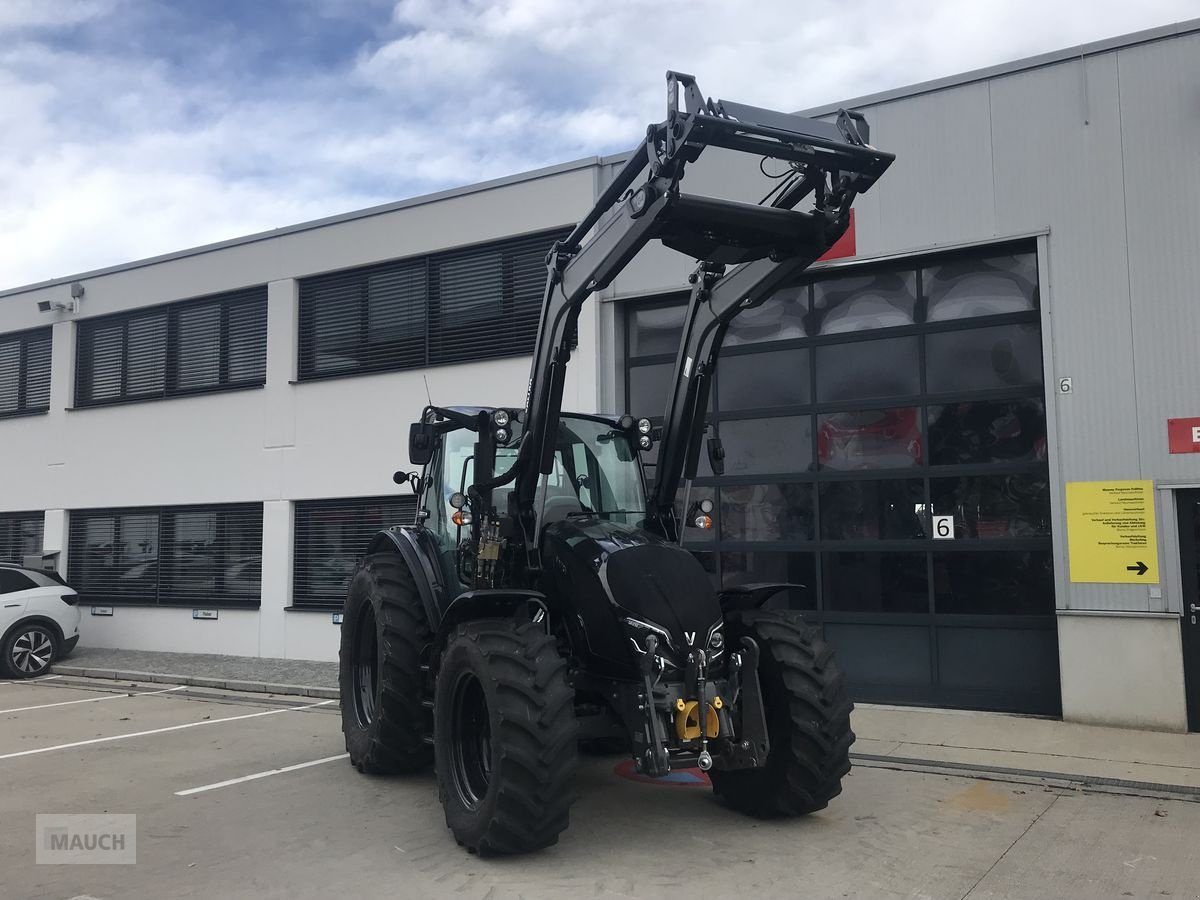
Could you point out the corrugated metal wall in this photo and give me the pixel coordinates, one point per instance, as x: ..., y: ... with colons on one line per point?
x: 1102, y: 154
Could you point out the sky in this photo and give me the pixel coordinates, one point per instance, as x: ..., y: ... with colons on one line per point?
x: 132, y: 128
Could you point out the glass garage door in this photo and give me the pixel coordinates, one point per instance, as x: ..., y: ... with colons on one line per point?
x: 858, y: 410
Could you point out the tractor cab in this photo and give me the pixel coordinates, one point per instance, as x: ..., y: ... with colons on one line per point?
x: 596, y: 474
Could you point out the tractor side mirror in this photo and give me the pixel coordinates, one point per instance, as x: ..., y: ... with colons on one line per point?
x: 716, y: 456
x: 421, y: 443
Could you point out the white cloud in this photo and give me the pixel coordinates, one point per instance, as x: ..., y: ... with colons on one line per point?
x: 51, y: 13
x: 116, y: 148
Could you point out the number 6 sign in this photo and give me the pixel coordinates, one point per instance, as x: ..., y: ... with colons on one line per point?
x: 943, y: 528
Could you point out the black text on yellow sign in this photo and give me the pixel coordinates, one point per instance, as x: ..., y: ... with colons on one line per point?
x: 1111, y: 534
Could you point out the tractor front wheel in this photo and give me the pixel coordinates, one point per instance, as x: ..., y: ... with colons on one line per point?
x: 505, y: 737
x: 808, y: 720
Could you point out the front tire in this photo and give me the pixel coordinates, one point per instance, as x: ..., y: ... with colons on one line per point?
x: 505, y: 737
x: 808, y: 720
x: 28, y: 651
x: 384, y: 634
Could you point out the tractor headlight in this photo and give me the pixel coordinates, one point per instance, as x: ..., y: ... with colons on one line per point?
x: 644, y: 442
x: 716, y: 639
x: 501, y: 435
x: 501, y: 418
x: 645, y: 426
x: 638, y: 631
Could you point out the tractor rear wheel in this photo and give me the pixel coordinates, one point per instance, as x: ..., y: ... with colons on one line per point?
x: 505, y: 737
x: 808, y: 720
x: 384, y: 634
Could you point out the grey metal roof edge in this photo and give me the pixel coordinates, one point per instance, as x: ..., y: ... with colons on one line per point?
x: 1131, y: 39
x: 448, y: 193
x: 1106, y: 45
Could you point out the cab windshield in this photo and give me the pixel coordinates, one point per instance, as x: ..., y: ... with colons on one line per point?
x: 595, y: 473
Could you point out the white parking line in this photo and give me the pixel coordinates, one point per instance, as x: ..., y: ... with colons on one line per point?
x: 94, y: 699
x: 29, y: 680
x: 121, y: 737
x: 257, y: 775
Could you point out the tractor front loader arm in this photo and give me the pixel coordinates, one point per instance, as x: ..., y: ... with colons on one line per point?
x: 769, y: 243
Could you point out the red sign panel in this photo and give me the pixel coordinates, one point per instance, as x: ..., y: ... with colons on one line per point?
x: 843, y: 246
x: 1183, y: 435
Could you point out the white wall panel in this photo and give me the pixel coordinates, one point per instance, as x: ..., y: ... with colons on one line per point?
x: 940, y: 188
x: 1160, y: 113
x: 235, y: 632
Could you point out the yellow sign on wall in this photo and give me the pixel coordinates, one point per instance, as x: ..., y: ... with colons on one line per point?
x: 1111, y: 536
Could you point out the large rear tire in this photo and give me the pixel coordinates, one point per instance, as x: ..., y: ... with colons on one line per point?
x: 808, y: 720
x: 505, y: 737
x: 384, y: 635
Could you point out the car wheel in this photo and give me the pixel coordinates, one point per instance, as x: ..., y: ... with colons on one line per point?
x: 28, y: 651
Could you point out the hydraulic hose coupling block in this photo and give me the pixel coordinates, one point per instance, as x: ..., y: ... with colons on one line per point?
x: 687, y: 719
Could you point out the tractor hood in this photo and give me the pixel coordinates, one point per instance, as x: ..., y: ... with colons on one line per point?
x: 630, y: 583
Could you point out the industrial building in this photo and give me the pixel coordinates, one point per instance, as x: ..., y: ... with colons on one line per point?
x: 971, y: 432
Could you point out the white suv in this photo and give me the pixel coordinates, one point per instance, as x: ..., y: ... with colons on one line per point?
x: 39, y: 621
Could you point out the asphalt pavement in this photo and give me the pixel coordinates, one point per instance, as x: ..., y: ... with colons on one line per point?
x: 250, y: 795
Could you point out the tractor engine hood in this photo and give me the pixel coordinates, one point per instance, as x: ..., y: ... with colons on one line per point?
x: 641, y: 584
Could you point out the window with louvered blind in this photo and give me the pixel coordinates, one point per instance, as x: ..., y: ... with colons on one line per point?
x: 20, y: 535
x: 25, y: 372
x: 211, y: 343
x: 469, y: 304
x: 331, y: 537
x: 174, y: 555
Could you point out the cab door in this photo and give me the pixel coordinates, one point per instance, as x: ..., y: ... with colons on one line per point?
x: 442, y: 479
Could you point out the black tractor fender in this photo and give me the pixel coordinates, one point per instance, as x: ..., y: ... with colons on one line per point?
x: 489, y: 604
x: 738, y: 598
x: 408, y: 543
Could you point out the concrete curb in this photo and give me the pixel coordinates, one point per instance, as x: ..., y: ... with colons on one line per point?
x: 258, y: 687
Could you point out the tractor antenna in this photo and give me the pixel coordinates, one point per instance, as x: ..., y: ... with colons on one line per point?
x: 428, y: 395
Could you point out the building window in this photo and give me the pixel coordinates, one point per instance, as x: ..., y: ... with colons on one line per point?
x: 331, y: 537
x: 25, y: 372
x: 211, y: 343
x: 461, y: 305
x: 169, y: 556
x: 20, y: 535
x: 854, y: 407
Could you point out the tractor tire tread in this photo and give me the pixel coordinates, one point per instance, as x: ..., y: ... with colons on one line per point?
x: 807, y: 762
x: 394, y: 742
x: 534, y: 747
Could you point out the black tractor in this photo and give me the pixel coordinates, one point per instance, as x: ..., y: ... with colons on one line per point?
x: 543, y: 598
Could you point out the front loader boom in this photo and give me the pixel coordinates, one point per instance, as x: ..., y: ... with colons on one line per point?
x: 767, y: 243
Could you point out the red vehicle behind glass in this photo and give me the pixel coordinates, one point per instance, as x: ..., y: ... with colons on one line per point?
x: 870, y: 439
